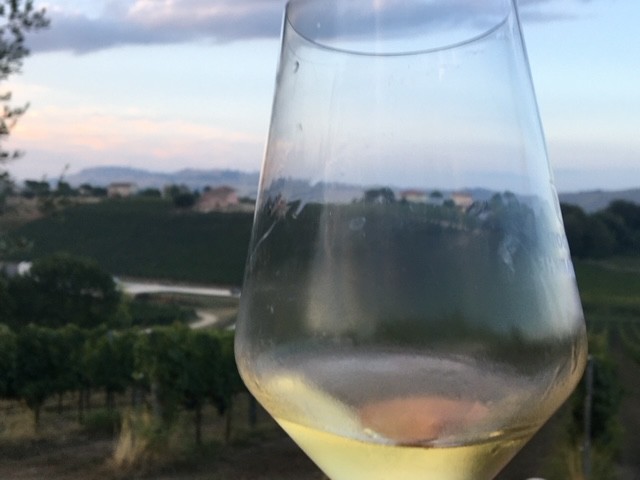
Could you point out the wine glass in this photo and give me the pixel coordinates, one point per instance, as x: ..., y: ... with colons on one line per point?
x: 409, y: 308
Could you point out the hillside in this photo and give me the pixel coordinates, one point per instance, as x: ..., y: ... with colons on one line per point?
x: 146, y: 238
x: 245, y: 183
x: 595, y: 200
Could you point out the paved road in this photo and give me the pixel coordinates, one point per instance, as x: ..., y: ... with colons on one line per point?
x: 137, y: 287
x: 205, y: 319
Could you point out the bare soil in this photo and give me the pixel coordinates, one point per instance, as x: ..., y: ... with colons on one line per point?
x: 269, y: 455
x: 62, y: 450
x: 275, y: 457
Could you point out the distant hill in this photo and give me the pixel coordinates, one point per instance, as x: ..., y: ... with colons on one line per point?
x: 595, y: 200
x: 246, y: 183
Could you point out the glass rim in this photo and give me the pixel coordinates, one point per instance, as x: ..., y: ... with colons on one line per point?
x: 509, y: 11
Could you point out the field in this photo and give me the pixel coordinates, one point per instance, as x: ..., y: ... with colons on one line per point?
x: 65, y: 450
x: 147, y: 238
x: 610, y: 292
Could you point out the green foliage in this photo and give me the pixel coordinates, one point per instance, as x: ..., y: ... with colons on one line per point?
x: 184, y: 200
x: 612, y: 231
x: 181, y: 196
x: 202, y: 372
x: 630, y: 338
x: 88, y: 190
x: 40, y: 354
x: 379, y: 195
x: 62, y: 289
x: 35, y: 188
x: 610, y: 296
x: 150, y: 193
x: 231, y: 383
x: 608, y: 292
x: 71, y: 369
x: 187, y: 367
x: 146, y: 313
x: 142, y: 237
x: 6, y: 302
x: 108, y: 358
x: 605, y: 427
x: 607, y: 396
x: 8, y: 351
x: 17, y: 17
x: 160, y: 360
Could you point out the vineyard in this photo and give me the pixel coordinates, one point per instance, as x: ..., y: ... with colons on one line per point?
x: 610, y: 291
x: 150, y: 398
x: 144, y: 237
x: 96, y: 384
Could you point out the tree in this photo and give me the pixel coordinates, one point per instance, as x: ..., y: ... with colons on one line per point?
x: 575, y: 225
x: 598, y: 240
x: 379, y: 195
x: 35, y: 188
x: 623, y: 220
x: 17, y: 17
x: 589, y: 236
x: 39, y: 361
x: 63, y: 289
x: 185, y: 200
x: 150, y: 193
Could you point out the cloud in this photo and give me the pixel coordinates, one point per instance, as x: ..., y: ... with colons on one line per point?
x: 144, y: 22
x: 130, y: 138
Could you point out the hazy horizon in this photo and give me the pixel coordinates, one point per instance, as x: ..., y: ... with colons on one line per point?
x: 171, y: 84
x: 69, y: 174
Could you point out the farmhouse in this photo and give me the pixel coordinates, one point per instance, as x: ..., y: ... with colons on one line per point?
x: 414, y: 196
x: 462, y: 200
x: 220, y: 198
x: 121, y: 189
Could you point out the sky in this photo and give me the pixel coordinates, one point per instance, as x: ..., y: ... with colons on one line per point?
x: 170, y: 84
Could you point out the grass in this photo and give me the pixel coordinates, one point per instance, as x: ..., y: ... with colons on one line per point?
x: 607, y: 280
x: 609, y: 291
x: 65, y: 449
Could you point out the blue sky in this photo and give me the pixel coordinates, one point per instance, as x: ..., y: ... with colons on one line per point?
x: 171, y: 84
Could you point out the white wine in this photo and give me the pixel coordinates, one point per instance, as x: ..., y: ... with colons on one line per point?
x: 343, y: 458
x: 371, y: 415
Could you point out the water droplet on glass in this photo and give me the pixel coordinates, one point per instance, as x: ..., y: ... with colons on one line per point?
x: 357, y: 223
